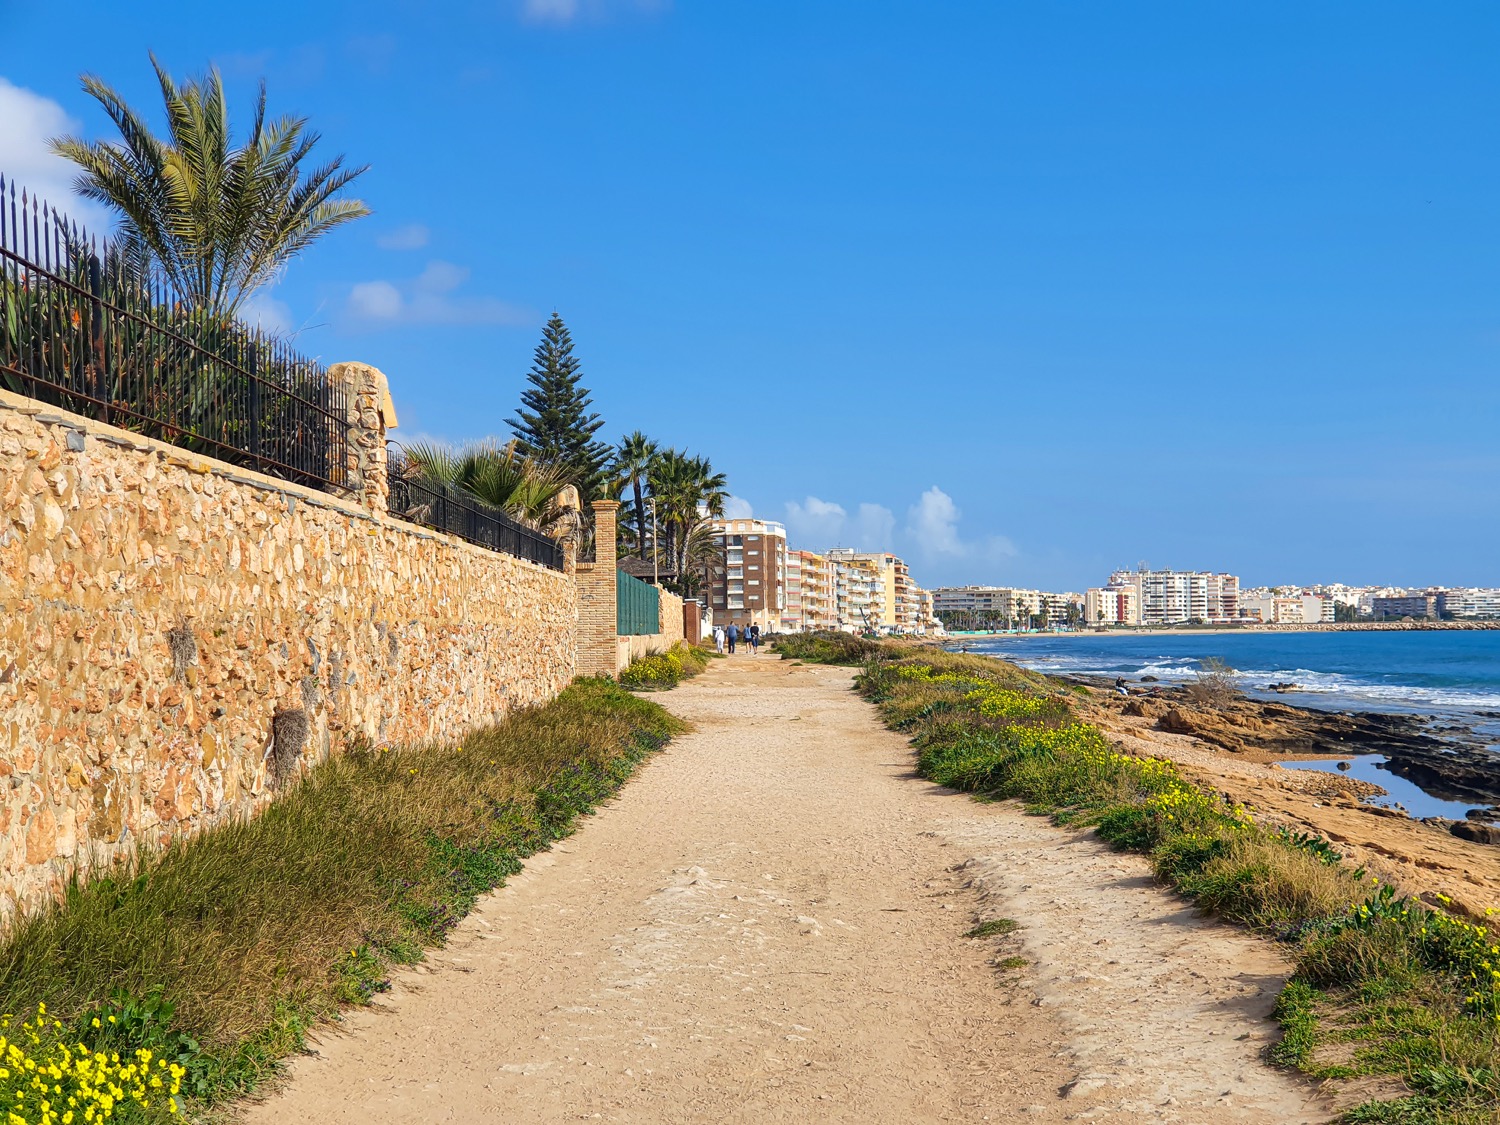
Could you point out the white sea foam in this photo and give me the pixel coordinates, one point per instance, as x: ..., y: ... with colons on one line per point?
x: 1329, y: 685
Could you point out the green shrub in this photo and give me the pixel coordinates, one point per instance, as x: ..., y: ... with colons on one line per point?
x: 826, y: 648
x: 662, y: 670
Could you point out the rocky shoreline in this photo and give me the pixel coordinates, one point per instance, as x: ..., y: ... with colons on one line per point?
x: 1448, y: 761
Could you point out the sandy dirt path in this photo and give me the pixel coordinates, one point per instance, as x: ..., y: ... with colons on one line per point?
x: 767, y: 926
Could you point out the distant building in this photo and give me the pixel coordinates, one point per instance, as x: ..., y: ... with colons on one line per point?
x: 858, y: 591
x: 976, y: 606
x: 1407, y: 605
x: 1338, y: 593
x: 1286, y: 608
x: 1007, y: 607
x: 749, y: 588
x: 809, y: 593
x: 1472, y: 602
x: 1368, y: 595
x: 1112, y: 605
x: 1175, y: 597
x: 927, y: 612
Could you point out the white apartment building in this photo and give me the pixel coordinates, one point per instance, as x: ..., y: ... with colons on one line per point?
x: 988, y: 607
x: 1294, y: 608
x: 1470, y: 602
x: 1338, y: 593
x: 1174, y: 597
x: 925, y: 611
x: 858, y: 591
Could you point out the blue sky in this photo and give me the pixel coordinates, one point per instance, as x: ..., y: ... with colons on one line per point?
x: 1023, y: 291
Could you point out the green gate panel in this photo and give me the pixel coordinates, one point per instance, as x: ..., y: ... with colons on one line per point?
x: 637, y: 607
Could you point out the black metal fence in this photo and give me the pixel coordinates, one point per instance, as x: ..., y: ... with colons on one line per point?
x: 446, y: 509
x: 84, y: 325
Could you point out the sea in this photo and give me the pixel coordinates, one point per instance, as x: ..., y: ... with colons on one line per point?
x: 1446, y: 674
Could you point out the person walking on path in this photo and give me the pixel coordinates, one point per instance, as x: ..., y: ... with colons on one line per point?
x: 719, y: 639
x: 755, y: 640
x: 733, y: 633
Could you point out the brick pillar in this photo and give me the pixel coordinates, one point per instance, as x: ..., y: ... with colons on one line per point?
x: 598, y: 650
x: 368, y: 414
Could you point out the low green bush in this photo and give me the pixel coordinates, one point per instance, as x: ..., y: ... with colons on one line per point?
x: 662, y: 670
x: 826, y: 648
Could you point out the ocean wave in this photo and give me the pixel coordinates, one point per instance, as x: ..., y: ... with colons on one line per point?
x: 1350, y: 690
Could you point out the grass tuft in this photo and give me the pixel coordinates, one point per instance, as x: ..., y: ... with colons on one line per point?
x: 992, y: 928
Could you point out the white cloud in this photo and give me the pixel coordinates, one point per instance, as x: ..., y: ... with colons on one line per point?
x: 573, y: 11
x: 929, y: 534
x: 430, y: 298
x: 932, y: 528
x: 737, y: 508
x: 933, y: 522
x: 411, y: 237
x: 27, y: 122
x: 375, y: 300
x: 815, y: 524
x: 819, y: 524
x: 873, y: 527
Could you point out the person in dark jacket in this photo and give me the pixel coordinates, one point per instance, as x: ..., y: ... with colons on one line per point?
x: 755, y: 639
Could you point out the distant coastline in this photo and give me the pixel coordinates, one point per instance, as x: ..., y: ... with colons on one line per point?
x: 1248, y: 630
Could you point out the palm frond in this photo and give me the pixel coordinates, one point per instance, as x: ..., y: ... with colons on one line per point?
x: 218, y: 221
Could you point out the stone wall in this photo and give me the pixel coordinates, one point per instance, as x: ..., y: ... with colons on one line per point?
x: 670, y: 613
x: 178, y: 637
x: 598, y: 648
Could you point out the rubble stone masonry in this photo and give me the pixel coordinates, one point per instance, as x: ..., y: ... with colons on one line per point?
x: 178, y: 637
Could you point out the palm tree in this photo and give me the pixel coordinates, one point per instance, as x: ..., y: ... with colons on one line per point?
x: 686, y: 490
x: 218, y: 221
x: 702, y: 550
x: 494, y: 474
x: 633, y: 461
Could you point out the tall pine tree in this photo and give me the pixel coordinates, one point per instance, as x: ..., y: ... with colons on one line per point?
x: 554, y: 424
